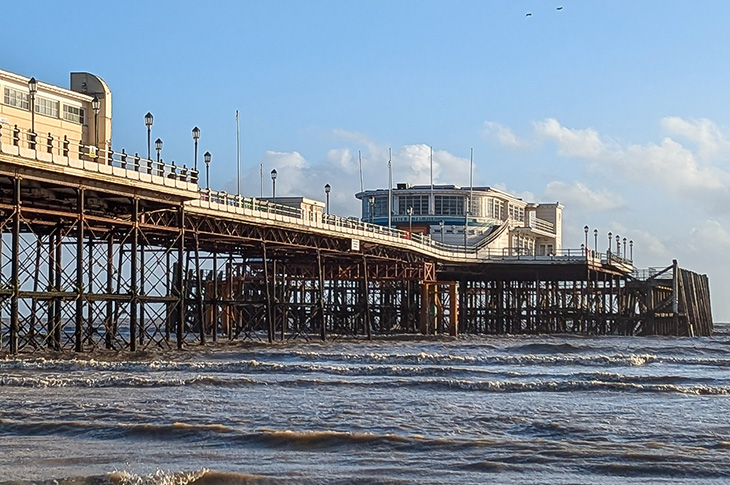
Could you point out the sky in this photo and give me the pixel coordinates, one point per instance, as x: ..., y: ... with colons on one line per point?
x: 618, y: 109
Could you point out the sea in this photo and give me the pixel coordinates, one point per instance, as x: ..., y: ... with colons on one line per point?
x: 553, y: 409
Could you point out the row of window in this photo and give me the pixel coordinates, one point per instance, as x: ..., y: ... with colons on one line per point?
x: 43, y: 106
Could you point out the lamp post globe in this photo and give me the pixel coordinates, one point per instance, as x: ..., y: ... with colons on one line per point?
x: 148, y: 119
x: 158, y: 148
x: 327, y: 189
x: 273, y: 185
x: 32, y: 89
x: 196, y: 137
x: 207, y: 158
x: 96, y: 106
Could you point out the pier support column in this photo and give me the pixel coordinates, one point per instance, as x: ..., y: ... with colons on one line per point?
x: 15, y: 270
x: 134, y: 300
x: 320, y: 275
x: 366, y: 297
x: 181, y: 285
x: 79, y: 317
x: 269, y: 294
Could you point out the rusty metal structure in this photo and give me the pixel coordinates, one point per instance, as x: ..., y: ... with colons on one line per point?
x: 103, y: 250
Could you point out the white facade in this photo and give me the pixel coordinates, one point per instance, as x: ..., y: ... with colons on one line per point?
x: 468, y: 216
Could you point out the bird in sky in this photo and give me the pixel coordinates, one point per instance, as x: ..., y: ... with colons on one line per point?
x: 528, y: 14
x: 560, y: 7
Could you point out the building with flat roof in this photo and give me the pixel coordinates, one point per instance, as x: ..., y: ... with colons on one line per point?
x: 467, y: 216
x: 56, y: 120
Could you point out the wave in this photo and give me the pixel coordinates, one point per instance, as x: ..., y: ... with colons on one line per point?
x: 383, y: 363
x: 159, y: 477
x: 563, y: 384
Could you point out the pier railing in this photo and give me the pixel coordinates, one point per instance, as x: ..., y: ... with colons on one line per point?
x: 74, y: 153
x: 270, y: 211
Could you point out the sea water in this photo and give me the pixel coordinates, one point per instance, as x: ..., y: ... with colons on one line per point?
x: 438, y: 410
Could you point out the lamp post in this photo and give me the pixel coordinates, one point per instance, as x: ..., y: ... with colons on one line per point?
x: 371, y: 201
x: 610, y: 238
x: 466, y: 221
x: 148, y: 119
x: 273, y: 186
x: 96, y: 106
x: 441, y: 223
x: 595, y: 239
x: 206, y: 157
x: 196, y: 137
x: 327, y: 189
x: 585, y: 230
x: 624, y: 248
x: 631, y: 248
x: 32, y: 89
x: 158, y: 148
x: 409, y: 211
x: 618, y: 245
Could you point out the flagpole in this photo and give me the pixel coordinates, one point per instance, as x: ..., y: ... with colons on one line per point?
x: 359, y: 157
x: 390, y: 189
x: 238, y: 157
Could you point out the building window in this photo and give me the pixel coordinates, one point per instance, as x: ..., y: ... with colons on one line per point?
x: 449, y: 205
x: 380, y: 208
x: 72, y: 113
x: 46, y: 107
x: 496, y: 209
x: 16, y: 98
x: 418, y: 202
x: 517, y: 213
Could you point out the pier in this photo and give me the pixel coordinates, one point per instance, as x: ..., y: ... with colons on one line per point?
x: 111, y: 250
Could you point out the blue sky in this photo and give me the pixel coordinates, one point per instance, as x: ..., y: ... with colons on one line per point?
x: 617, y: 109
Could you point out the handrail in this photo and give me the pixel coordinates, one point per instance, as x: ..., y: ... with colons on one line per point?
x: 66, y: 150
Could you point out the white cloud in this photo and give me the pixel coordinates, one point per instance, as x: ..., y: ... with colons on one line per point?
x: 579, y: 196
x: 503, y: 135
x: 706, y: 135
x: 668, y: 165
x: 571, y: 142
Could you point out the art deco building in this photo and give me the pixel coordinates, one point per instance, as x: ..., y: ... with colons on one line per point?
x: 482, y: 217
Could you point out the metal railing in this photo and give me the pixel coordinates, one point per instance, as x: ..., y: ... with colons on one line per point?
x: 356, y: 228
x: 75, y: 153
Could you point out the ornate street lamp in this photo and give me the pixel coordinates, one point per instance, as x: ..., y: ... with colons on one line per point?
x: 371, y: 201
x: 409, y: 211
x: 585, y: 230
x: 631, y: 248
x: 441, y: 223
x: 595, y: 239
x: 96, y: 106
x: 148, y: 119
x: 196, y: 137
x: 618, y: 245
x: 273, y: 186
x: 610, y: 238
x: 32, y: 88
x: 624, y: 248
x: 327, y: 189
x: 206, y: 157
x: 158, y: 148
